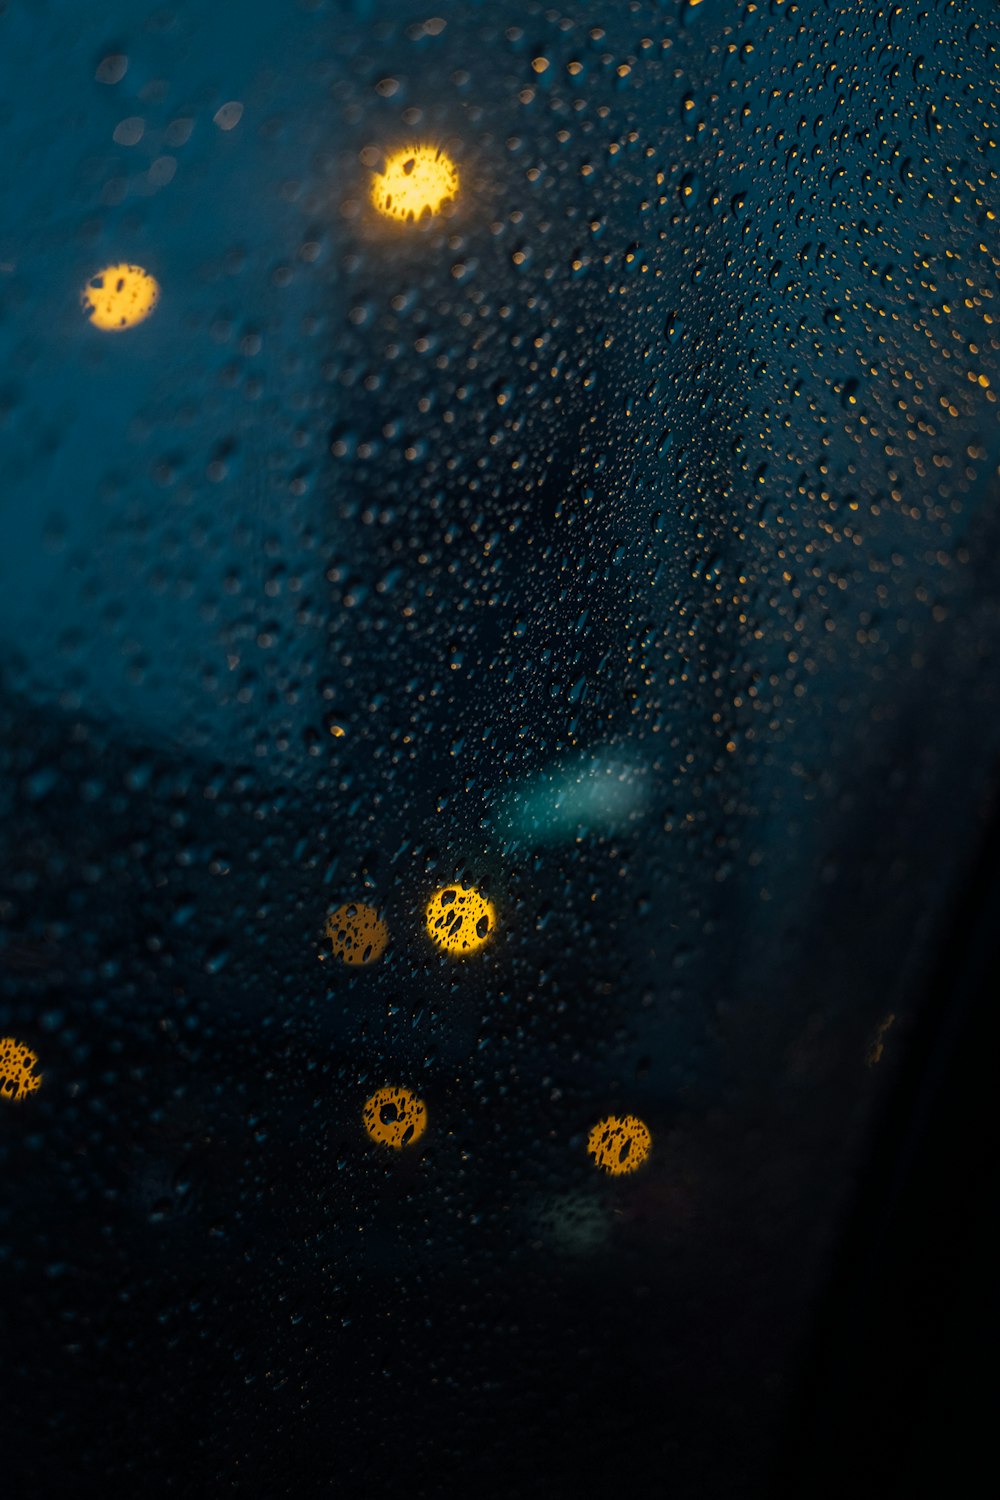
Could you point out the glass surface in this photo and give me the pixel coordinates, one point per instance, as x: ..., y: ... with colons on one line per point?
x: 495, y: 704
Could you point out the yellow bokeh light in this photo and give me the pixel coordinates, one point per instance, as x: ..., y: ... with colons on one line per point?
x: 18, y: 1078
x: 416, y: 180
x: 119, y: 297
x: 460, y: 920
x: 358, y: 933
x: 395, y: 1117
x: 619, y: 1144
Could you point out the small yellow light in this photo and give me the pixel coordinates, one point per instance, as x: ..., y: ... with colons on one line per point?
x: 18, y: 1078
x: 395, y: 1117
x: 877, y: 1047
x: 358, y: 934
x: 416, y: 180
x: 460, y: 920
x: 119, y: 297
x: 619, y: 1144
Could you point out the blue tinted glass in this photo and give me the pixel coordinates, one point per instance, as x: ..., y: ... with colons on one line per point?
x: 497, y: 588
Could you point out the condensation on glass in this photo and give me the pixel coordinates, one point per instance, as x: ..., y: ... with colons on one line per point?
x: 498, y: 596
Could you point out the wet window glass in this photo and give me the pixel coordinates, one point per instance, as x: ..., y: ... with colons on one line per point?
x: 498, y: 595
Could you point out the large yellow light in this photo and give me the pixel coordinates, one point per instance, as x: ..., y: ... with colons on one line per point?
x: 416, y: 180
x: 460, y: 920
x: 119, y: 297
x: 395, y: 1117
x: 620, y: 1144
x: 18, y: 1078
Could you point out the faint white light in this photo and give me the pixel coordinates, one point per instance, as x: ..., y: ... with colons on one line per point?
x: 229, y: 116
x: 598, y: 792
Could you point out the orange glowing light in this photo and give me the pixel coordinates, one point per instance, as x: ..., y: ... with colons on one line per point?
x: 395, y: 1117
x: 119, y: 297
x: 416, y: 180
x: 459, y: 920
x: 18, y: 1078
x: 358, y: 933
x: 619, y: 1144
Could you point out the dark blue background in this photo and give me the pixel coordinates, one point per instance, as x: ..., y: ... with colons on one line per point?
x: 664, y: 459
